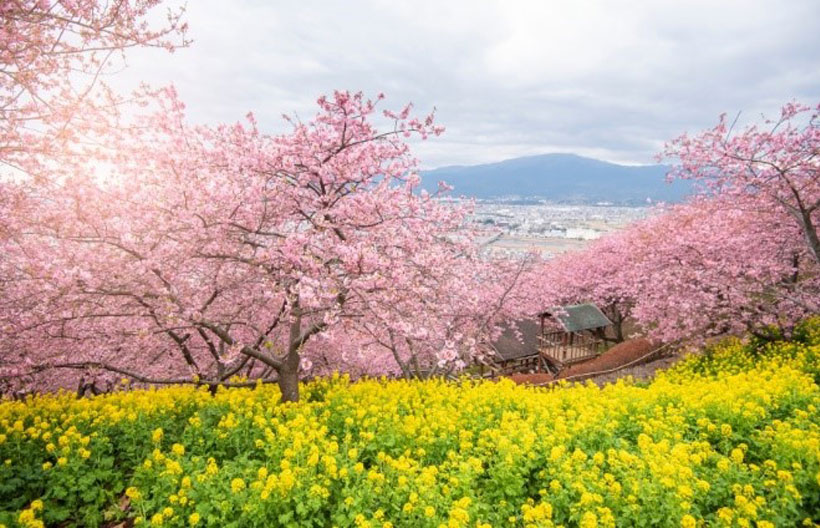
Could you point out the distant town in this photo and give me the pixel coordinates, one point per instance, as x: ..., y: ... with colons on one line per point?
x: 550, y: 228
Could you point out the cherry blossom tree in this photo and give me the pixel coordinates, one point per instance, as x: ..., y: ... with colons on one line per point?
x: 137, y: 245
x: 204, y: 253
x: 694, y: 271
x: 776, y: 165
x: 711, y: 270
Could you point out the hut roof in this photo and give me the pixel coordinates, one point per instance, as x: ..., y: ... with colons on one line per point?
x: 508, y: 345
x: 579, y: 317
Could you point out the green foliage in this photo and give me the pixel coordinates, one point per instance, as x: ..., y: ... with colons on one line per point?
x: 729, y: 437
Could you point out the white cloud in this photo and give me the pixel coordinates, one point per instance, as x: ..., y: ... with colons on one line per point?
x: 613, y: 79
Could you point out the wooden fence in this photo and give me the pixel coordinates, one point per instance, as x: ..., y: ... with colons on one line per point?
x: 566, y: 348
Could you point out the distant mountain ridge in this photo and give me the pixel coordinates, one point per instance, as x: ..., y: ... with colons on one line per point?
x: 560, y: 178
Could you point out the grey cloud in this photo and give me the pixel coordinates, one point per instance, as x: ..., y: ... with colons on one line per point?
x: 607, y: 79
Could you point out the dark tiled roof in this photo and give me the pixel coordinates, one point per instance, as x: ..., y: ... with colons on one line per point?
x: 508, y: 345
x: 579, y: 317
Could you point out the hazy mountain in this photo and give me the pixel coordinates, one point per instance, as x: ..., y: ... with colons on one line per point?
x: 560, y: 178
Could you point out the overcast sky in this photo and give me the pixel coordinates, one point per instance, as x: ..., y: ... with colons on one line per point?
x: 608, y: 79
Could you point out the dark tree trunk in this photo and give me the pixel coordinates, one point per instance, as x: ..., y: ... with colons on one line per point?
x: 617, y: 319
x: 289, y: 382
x: 810, y: 232
x: 618, y: 327
x: 289, y: 371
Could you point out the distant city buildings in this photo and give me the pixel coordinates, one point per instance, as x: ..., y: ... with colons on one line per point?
x: 549, y: 228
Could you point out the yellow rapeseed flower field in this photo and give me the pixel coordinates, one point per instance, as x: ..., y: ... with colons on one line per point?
x: 729, y: 438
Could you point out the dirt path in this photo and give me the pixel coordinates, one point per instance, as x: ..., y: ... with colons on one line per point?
x: 631, y: 358
x: 639, y: 372
x: 621, y: 354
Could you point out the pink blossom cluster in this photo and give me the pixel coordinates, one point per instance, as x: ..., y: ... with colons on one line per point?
x: 54, y: 55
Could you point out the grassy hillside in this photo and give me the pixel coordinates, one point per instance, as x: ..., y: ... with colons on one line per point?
x: 728, y: 438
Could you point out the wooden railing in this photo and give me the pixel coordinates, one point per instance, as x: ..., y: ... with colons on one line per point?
x: 566, y: 348
x: 532, y: 363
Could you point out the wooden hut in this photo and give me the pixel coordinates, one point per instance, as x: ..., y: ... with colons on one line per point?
x: 517, y: 349
x: 567, y: 333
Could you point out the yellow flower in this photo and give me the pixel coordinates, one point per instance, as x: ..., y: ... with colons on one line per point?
x: 193, y: 519
x: 157, y: 519
x: 687, y: 521
x: 286, y: 481
x: 319, y: 491
x: 62, y: 461
x: 725, y: 514
x: 28, y: 519
x: 133, y: 493
x: 589, y: 520
x: 178, y: 449
x: 156, y: 437
x: 737, y: 456
x: 237, y: 485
